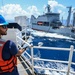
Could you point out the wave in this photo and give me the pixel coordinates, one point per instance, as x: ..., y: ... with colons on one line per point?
x: 46, y: 34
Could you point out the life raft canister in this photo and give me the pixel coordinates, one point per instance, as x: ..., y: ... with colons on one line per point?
x: 8, y: 65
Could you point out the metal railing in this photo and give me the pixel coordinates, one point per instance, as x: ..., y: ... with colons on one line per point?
x: 31, y: 57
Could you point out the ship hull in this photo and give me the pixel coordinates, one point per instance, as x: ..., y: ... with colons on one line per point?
x: 66, y: 31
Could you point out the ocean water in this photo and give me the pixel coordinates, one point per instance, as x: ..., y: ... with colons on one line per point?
x: 52, y: 40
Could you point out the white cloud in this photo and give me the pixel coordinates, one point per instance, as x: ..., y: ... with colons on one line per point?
x: 33, y: 10
x: 9, y: 11
x: 55, y: 4
x: 59, y: 8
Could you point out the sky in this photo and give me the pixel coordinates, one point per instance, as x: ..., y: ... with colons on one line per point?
x: 12, y: 8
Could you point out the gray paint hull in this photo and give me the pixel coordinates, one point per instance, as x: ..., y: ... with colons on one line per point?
x: 63, y: 30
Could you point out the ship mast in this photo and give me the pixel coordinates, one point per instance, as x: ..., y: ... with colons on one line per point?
x: 48, y: 8
x: 74, y: 19
x: 69, y: 15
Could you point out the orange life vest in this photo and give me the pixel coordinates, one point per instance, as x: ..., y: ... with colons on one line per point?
x: 8, y: 65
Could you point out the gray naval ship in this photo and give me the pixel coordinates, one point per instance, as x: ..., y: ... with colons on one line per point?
x: 50, y: 22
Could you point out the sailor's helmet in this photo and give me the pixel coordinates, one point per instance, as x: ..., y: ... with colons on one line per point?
x: 3, y: 21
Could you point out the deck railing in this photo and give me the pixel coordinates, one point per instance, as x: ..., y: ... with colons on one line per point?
x: 31, y: 57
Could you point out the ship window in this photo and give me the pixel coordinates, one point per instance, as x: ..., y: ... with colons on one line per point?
x: 40, y: 23
x: 33, y: 23
x: 43, y: 23
x: 46, y: 23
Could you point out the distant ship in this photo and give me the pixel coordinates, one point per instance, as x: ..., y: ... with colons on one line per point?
x: 50, y: 22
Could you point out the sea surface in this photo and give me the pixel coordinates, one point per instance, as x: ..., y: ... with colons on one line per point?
x: 52, y: 40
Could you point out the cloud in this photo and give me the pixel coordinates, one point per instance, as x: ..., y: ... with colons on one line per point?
x: 58, y: 8
x: 54, y: 4
x: 33, y: 10
x: 9, y: 11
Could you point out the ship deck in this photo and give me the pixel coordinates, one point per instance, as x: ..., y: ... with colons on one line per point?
x: 23, y: 68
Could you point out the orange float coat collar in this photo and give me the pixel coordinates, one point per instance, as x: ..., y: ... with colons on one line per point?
x: 8, y: 65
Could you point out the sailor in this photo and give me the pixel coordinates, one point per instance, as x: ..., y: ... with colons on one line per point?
x: 8, y: 52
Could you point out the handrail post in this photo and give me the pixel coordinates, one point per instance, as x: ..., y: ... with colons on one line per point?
x: 70, y: 58
x: 32, y: 60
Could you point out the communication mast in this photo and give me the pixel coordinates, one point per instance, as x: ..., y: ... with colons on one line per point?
x: 48, y: 8
x: 69, y: 15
